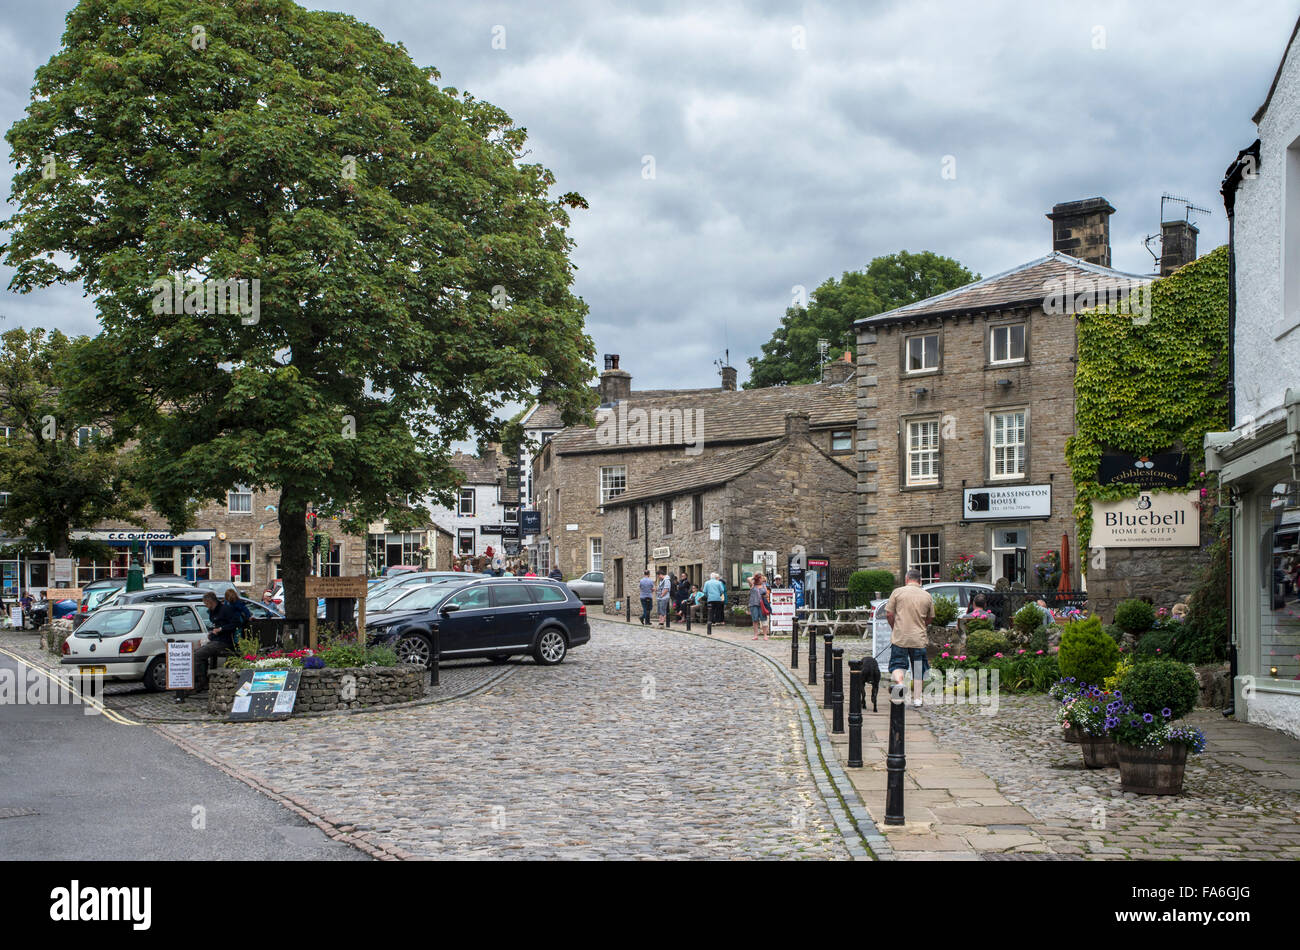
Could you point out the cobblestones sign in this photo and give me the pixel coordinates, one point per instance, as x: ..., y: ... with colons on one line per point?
x: 1164, y: 520
x: 1163, y: 470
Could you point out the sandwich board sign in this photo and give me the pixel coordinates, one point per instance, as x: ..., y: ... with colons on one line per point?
x: 782, y: 610
x: 264, y: 695
x: 180, y: 664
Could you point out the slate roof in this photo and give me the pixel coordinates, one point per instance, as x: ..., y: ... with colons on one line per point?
x: 1025, y: 285
x: 727, y: 416
x: 546, y: 415
x: 682, y: 477
x: 477, y: 470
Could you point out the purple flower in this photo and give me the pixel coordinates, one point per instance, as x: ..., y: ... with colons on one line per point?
x: 1166, y: 712
x: 1147, y: 717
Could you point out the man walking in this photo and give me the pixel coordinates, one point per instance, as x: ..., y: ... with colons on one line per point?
x: 715, y: 594
x: 910, y: 612
x: 647, y: 592
x: 663, y: 588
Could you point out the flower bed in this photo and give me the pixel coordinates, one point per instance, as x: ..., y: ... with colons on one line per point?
x: 320, y: 690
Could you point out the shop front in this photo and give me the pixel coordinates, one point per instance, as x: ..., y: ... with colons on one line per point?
x: 188, y: 554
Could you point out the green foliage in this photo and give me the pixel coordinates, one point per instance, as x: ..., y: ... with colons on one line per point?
x: 56, y: 486
x: 1135, y: 616
x: 247, y: 646
x: 791, y: 355
x: 1028, y: 620
x: 979, y: 623
x: 1147, y: 387
x: 1087, y: 653
x: 983, y: 643
x: 1021, y: 673
x: 381, y: 656
x: 1156, y: 643
x: 1205, y: 634
x: 413, y: 264
x: 945, y: 610
x: 1159, y: 685
x: 1114, y: 631
x: 864, y: 585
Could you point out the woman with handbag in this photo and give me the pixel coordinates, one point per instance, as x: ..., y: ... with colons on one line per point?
x: 760, y: 607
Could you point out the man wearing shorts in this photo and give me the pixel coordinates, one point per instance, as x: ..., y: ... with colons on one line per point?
x: 910, y: 612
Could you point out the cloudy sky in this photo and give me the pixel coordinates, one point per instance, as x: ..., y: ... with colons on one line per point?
x: 791, y: 142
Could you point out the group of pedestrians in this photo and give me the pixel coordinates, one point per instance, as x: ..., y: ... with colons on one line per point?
x: 674, y: 595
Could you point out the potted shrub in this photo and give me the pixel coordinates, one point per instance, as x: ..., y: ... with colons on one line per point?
x: 1091, y: 711
x: 1087, y: 653
x: 1151, y: 747
x: 1063, y: 690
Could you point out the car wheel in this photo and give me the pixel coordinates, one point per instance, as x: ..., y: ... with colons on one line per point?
x: 155, y: 675
x: 551, y: 647
x: 499, y: 658
x: 414, y: 648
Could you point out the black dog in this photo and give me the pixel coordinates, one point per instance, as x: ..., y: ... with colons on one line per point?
x: 871, y: 674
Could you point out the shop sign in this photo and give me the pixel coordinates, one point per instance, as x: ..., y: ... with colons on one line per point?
x: 1162, y: 470
x: 1013, y: 502
x: 1151, y: 520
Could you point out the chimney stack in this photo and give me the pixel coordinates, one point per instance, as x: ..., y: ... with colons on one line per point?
x: 840, y: 370
x: 1177, y: 245
x: 729, y: 378
x: 1082, y: 229
x: 615, y: 384
x: 796, y: 425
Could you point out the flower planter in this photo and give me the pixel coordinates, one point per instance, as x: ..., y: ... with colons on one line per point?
x: 1151, y: 770
x: 1072, y: 734
x: 1099, y: 752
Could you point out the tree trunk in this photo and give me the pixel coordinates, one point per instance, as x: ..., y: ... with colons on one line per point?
x: 293, y: 555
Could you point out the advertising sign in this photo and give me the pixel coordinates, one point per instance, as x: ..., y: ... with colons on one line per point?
x: 265, y: 694
x: 63, y: 571
x: 1162, y: 470
x: 1151, y: 520
x: 16, y: 617
x: 1013, y: 502
x: 180, y: 664
x: 782, y: 610
x: 768, y: 560
x: 530, y: 522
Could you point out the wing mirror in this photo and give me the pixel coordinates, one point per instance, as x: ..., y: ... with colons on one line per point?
x: 449, y: 609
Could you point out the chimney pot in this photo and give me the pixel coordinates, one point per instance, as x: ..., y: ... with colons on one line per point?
x: 1177, y: 245
x: 615, y: 383
x: 1082, y: 229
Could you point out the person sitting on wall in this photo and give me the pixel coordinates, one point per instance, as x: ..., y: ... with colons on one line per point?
x: 226, y: 618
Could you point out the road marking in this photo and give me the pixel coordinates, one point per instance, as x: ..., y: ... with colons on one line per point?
x: 112, y: 715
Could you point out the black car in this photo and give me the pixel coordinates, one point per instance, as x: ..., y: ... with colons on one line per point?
x: 495, y: 617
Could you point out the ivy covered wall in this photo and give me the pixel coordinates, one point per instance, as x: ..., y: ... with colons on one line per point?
x: 1149, y: 387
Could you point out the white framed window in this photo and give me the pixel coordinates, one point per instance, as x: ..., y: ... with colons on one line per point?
x: 1007, y: 444
x: 86, y: 435
x: 613, y: 481
x: 923, y: 452
x: 922, y: 353
x: 923, y: 555
x: 239, y: 500
x: 842, y: 440
x: 595, y: 560
x: 331, y: 562
x: 1007, y: 344
x: 241, y: 562
x: 511, y: 515
x: 466, y: 502
x: 465, y: 541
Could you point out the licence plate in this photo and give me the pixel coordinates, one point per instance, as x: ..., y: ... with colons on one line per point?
x: 93, y: 670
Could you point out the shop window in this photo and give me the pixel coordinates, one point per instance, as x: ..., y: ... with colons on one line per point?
x: 1279, y: 628
x: 241, y: 562
x: 923, y: 554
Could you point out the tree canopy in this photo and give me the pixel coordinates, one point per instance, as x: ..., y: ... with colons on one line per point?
x: 403, y: 273
x: 791, y: 355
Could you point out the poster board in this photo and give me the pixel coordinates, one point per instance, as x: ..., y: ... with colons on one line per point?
x: 180, y: 664
x: 265, y: 695
x: 63, y: 568
x: 16, y: 617
x: 782, y: 610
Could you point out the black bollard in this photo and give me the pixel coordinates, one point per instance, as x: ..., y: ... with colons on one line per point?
x: 812, y: 654
x: 827, y: 670
x: 435, y: 654
x: 687, y: 610
x: 627, y: 608
x: 896, y: 761
x: 794, y: 643
x: 837, y: 693
x: 855, y: 714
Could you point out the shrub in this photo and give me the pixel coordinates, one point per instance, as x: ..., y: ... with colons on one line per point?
x: 1114, y: 631
x: 979, y: 623
x: 863, y: 586
x: 1087, y: 653
x: 983, y: 643
x: 945, y: 610
x: 1159, y: 685
x: 1028, y: 619
x: 1111, y: 683
x: 1135, y: 616
x: 248, y: 646
x: 1156, y: 644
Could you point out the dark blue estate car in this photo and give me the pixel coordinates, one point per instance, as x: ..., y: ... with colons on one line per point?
x: 495, y: 617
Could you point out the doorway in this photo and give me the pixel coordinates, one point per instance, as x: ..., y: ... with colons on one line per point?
x: 1010, y: 555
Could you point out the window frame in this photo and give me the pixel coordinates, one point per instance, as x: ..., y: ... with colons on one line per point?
x: 252, y: 562
x: 633, y: 523
x: 906, y: 550
x: 697, y: 511
x: 239, y: 491
x: 905, y: 352
x: 847, y: 450
x: 466, y: 493
x: 461, y: 535
x: 595, y: 553
x: 905, y: 453
x: 668, y: 516
x: 1024, y: 345
x: 604, y: 494
x: 989, y: 447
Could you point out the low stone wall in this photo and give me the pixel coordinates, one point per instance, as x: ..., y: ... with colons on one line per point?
x: 321, y: 690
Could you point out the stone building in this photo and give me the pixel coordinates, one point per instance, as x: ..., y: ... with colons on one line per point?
x: 965, y: 402
x: 481, y: 518
x: 637, y: 433
x: 768, y: 496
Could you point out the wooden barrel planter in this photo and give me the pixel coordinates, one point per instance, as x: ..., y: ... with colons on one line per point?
x: 1099, y: 752
x: 1072, y: 734
x: 1151, y: 771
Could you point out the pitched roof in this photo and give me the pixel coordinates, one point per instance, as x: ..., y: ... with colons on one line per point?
x: 681, y: 477
x: 1027, y: 284
x: 546, y: 415
x: 1259, y: 113
x: 476, y: 469
x: 720, y: 416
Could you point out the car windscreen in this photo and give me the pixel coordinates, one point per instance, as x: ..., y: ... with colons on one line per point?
x: 110, y: 623
x: 422, y: 597
x: 99, y: 595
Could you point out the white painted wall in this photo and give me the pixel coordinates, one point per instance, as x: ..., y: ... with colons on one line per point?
x: 1267, y: 212
x: 487, y: 510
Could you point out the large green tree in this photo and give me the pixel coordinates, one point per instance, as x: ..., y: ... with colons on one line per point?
x: 791, y: 356
x: 413, y: 270
x: 59, y: 465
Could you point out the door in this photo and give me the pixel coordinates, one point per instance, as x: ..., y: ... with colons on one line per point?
x: 1022, y: 565
x: 465, y: 629
x: 516, y: 616
x: 179, y: 623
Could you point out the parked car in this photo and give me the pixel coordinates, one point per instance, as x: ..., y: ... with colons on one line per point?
x: 384, y: 600
x: 94, y: 598
x: 590, y: 587
x: 495, y: 617
x: 217, y: 587
x: 962, y: 591
x: 190, y: 595
x: 130, y: 643
x: 40, y: 611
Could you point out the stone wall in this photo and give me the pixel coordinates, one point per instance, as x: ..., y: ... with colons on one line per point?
x: 1166, y: 575
x: 320, y: 690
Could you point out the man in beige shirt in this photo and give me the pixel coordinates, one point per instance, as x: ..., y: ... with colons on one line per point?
x: 910, y: 612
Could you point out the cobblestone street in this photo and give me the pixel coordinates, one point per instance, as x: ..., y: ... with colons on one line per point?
x: 642, y: 744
